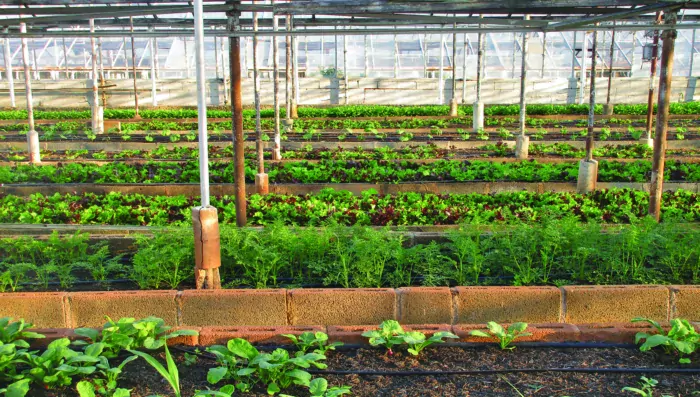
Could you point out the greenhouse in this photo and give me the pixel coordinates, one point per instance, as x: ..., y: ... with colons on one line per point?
x: 349, y: 198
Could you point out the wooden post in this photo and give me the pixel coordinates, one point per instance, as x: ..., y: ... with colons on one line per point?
x: 277, y: 149
x: 102, y: 72
x: 237, y: 124
x: 207, y: 247
x: 133, y: 66
x: 478, y: 108
x: 288, y: 74
x: 652, y: 78
x: 588, y: 168
x: 32, y: 135
x: 223, y: 70
x: 515, y: 48
x: 657, y: 168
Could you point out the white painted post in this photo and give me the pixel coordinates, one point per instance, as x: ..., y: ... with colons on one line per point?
x: 692, y: 54
x: 396, y: 57
x: 366, y: 53
x: 277, y: 149
x: 464, y: 71
x: 478, y: 108
x: 441, y: 73
x: 154, y: 88
x: 345, y: 66
x: 523, y: 142
x: 96, y: 128
x: 582, y: 77
x: 8, y: 71
x: 32, y: 135
x: 155, y: 59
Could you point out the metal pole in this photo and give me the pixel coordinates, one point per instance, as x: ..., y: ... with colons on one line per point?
x: 126, y: 60
x: 582, y: 76
x: 256, y: 89
x: 154, y: 92
x: 425, y: 55
x: 454, y: 64
x: 396, y: 57
x: 523, y: 81
x: 237, y: 124
x: 610, y: 69
x: 8, y: 71
x: 441, y: 73
x: 32, y: 135
x: 223, y: 71
x: 480, y: 66
x: 187, y: 59
x: 201, y: 102
x: 657, y: 168
x: 295, y: 72
x: 591, y: 104
x: 102, y: 72
x: 652, y: 78
x: 216, y: 57
x: 335, y: 60
x: 276, y: 151
x: 573, y: 57
x: 288, y: 73
x: 345, y: 66
x: 692, y: 54
x: 155, y: 57
x: 133, y: 66
x: 65, y: 55
x: 366, y: 55
x: 515, y: 48
x: 634, y: 50
x: 464, y: 71
x: 544, y: 53
x: 95, y: 94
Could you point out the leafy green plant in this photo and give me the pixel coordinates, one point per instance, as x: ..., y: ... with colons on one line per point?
x: 646, y: 387
x: 58, y: 364
x: 15, y: 332
x: 319, y: 388
x: 504, y: 336
x: 171, y: 374
x: 318, y: 341
x: 389, y: 334
x: 681, y: 339
x: 417, y: 341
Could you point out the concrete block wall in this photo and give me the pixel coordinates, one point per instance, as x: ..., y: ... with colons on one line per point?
x: 323, y: 91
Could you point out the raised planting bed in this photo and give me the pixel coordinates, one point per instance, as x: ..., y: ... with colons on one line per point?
x: 553, y: 252
x: 342, y: 207
x: 339, y: 171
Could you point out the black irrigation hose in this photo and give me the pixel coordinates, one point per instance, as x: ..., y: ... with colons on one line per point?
x: 513, y: 370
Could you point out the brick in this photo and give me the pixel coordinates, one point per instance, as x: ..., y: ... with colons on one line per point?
x: 685, y: 302
x: 508, y: 304
x: 88, y: 309
x: 612, y: 332
x: 346, y: 306
x: 51, y: 334
x: 609, y: 304
x: 187, y: 340
x: 43, y: 309
x: 233, y: 307
x: 260, y: 335
x: 425, y: 305
x: 553, y: 332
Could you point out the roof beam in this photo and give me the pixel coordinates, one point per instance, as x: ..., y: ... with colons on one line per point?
x: 566, y: 25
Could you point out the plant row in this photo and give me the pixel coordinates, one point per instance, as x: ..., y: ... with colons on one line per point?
x: 352, y: 111
x: 342, y: 207
x: 552, y: 252
x: 415, y: 152
x: 340, y: 171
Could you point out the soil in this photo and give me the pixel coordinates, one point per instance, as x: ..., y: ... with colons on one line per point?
x: 144, y: 381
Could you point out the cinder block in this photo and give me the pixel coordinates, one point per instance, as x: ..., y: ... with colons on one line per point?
x: 43, y: 309
x: 685, y: 302
x: 609, y: 304
x: 261, y: 335
x: 508, y: 304
x: 341, y: 306
x: 88, y: 309
x: 554, y: 332
x: 425, y: 305
x: 188, y: 340
x: 233, y: 307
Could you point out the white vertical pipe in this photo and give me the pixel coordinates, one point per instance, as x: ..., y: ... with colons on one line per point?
x: 276, y: 151
x: 366, y: 55
x: 345, y: 66
x: 692, y: 54
x: 523, y: 81
x: 295, y: 67
x: 154, y: 91
x: 216, y: 56
x: 155, y: 51
x: 441, y: 76
x: 464, y: 71
x: 396, y: 57
x: 201, y: 103
x: 95, y: 95
x: 256, y: 90
x: 8, y: 71
x: 32, y: 135
x: 573, y: 57
x: 582, y: 77
x: 223, y: 68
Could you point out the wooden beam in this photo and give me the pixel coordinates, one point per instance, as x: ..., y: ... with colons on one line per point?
x: 566, y: 25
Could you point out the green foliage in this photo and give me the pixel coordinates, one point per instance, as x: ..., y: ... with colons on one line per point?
x: 171, y: 374
x: 318, y: 341
x: 163, y: 260
x: 646, y: 387
x: 681, y: 340
x: 504, y: 336
x: 417, y: 341
x: 389, y: 334
x: 319, y: 388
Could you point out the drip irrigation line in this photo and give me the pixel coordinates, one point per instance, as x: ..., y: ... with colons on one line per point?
x: 512, y: 371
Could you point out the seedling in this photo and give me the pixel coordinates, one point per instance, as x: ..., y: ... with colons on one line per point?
x: 417, y: 340
x: 171, y: 374
x: 389, y: 334
x: 681, y: 339
x: 646, y: 387
x: 503, y: 336
x: 309, y: 340
x: 319, y: 388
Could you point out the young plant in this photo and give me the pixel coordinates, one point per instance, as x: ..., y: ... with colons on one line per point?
x: 57, y: 365
x: 319, y: 388
x: 504, y: 336
x: 389, y: 334
x: 15, y: 332
x: 417, y: 340
x: 646, y: 387
x: 171, y: 374
x: 681, y: 339
x: 309, y: 340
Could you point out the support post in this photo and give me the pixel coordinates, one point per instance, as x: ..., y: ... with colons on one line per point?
x: 126, y: 60
x: 345, y: 68
x: 277, y: 149
x: 544, y: 53
x: 522, y: 143
x: 464, y: 71
x: 223, y: 71
x: 515, y: 48
x: 261, y: 181
x: 65, y: 55
x: 652, y: 80
x: 441, y: 73
x: 155, y: 57
x: 237, y: 122
x: 573, y: 83
x: 366, y: 54
x: 692, y: 55
x: 102, y: 78
x: 588, y: 168
x: 32, y: 135
x: 205, y: 220
x: 133, y: 66
x: 187, y: 59
x: 454, y: 112
x: 8, y: 72
x: 216, y: 57
x: 396, y: 57
x: 288, y: 122
x: 97, y: 128
x: 609, y: 108
x: 295, y: 74
x: 478, y: 109
x: 154, y: 84
x: 582, y: 75
x: 657, y: 167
